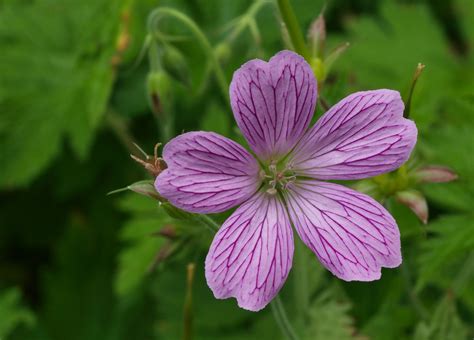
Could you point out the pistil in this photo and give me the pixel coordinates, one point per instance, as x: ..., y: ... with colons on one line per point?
x: 277, y: 179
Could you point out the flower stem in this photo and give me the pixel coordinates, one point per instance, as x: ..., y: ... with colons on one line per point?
x: 293, y: 27
x: 277, y: 306
x: 163, y: 119
x: 159, y: 13
x: 188, y: 303
x: 119, y: 126
x: 282, y: 319
x: 208, y: 222
x: 416, y: 75
x: 300, y: 272
x: 420, y: 309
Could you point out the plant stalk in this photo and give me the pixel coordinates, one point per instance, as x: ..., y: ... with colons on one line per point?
x: 188, y: 303
x: 159, y: 13
x: 282, y: 319
x: 416, y: 75
x: 277, y: 307
x: 293, y: 27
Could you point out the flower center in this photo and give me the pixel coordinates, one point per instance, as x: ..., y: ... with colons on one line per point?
x: 276, y: 178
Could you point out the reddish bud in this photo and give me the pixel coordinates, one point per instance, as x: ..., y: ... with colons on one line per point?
x: 317, y: 36
x: 435, y: 174
x: 163, y: 253
x: 415, y: 201
x: 168, y: 231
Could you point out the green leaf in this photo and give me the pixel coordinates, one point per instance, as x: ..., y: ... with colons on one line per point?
x: 450, y: 143
x: 140, y: 245
x: 55, y: 79
x: 329, y: 319
x: 78, y: 287
x: 445, y: 323
x: 385, y: 51
x: 216, y: 119
x: 137, y: 256
x: 13, y: 314
x: 452, y: 239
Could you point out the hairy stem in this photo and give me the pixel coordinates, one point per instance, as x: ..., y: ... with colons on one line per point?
x: 301, y: 280
x: 188, y: 303
x: 277, y: 307
x: 414, y: 298
x: 118, y: 125
x: 282, y: 319
x: 416, y: 75
x: 208, y: 222
x: 163, y: 119
x: 162, y: 12
x: 293, y: 27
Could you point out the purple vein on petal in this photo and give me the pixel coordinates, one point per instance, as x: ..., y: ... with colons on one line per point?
x: 350, y: 233
x: 363, y: 135
x: 207, y: 173
x: 251, y: 254
x: 273, y: 102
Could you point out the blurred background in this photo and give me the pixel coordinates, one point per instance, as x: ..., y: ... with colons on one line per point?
x: 80, y: 82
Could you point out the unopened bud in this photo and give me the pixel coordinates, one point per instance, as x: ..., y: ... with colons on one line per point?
x: 168, y: 231
x: 317, y: 36
x: 223, y: 52
x: 158, y: 86
x: 435, y: 174
x: 163, y: 253
x: 175, y: 64
x: 415, y: 201
x: 145, y: 188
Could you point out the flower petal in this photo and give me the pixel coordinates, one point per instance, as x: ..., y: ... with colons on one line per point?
x: 363, y: 135
x: 351, y: 234
x: 252, y: 253
x: 207, y: 173
x: 273, y: 102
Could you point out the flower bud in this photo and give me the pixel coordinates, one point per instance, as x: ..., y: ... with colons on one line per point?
x: 223, y: 52
x: 145, y: 188
x: 317, y: 36
x: 168, y: 231
x: 175, y: 64
x: 415, y: 201
x: 435, y: 174
x: 158, y: 86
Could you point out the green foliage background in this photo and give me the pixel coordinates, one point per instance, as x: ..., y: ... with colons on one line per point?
x: 77, y: 264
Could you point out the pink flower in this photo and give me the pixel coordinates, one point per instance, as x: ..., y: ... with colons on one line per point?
x: 352, y: 235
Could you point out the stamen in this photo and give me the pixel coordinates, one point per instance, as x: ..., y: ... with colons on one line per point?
x: 278, y: 179
x: 271, y: 191
x: 272, y: 168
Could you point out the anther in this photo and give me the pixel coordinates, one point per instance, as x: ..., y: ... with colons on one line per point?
x: 271, y: 191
